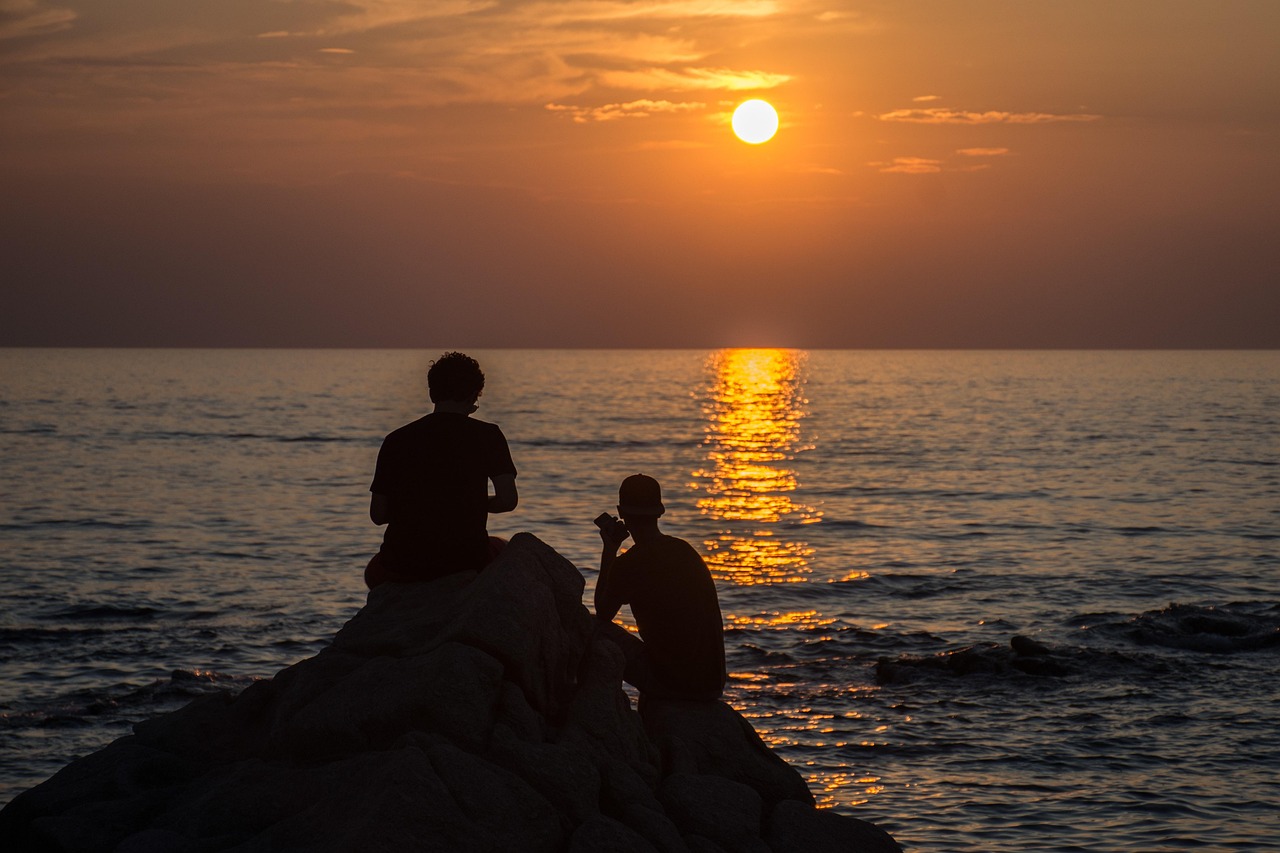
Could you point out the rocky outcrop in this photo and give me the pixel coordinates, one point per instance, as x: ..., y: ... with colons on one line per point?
x: 474, y: 713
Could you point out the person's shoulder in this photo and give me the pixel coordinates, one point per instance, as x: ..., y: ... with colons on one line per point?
x: 675, y: 543
x: 491, y: 431
x: 487, y: 426
x: 399, y: 433
x: 684, y: 551
x: 408, y: 430
x: 665, y: 549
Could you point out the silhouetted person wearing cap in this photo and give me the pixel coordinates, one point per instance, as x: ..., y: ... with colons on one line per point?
x: 680, y: 653
x: 431, y: 484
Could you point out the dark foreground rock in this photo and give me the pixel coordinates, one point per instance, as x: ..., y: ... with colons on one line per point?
x: 475, y: 713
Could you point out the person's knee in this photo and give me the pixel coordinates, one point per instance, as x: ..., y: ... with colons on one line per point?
x: 375, y: 571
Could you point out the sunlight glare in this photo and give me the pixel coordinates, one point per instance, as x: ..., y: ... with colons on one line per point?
x: 755, y: 121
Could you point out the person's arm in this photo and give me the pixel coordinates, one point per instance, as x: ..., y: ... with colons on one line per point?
x: 505, y: 497
x: 384, y: 482
x: 379, y: 508
x: 607, y: 601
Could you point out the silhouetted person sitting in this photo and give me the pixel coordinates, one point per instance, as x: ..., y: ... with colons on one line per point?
x: 680, y: 653
x: 431, y: 484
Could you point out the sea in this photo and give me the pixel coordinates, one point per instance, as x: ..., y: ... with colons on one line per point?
x: 990, y: 601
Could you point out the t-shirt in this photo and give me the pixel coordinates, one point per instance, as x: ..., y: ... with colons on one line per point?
x: 436, y: 473
x: 673, y: 599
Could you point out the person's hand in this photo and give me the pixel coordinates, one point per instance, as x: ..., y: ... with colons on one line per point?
x: 613, y: 535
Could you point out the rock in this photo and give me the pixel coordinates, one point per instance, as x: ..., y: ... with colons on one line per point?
x: 712, y: 738
x: 478, y: 712
x: 604, y: 835
x: 566, y: 777
x: 1026, y: 646
x: 599, y: 717
x: 794, y: 827
x: 720, y: 810
x: 657, y: 829
x: 623, y: 787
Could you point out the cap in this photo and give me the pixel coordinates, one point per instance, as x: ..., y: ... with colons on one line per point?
x: 640, y: 495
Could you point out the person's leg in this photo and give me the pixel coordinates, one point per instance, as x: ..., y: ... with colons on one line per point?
x: 496, y: 544
x: 378, y: 572
x: 638, y: 672
x: 375, y: 572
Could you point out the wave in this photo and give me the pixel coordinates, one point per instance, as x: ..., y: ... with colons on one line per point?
x: 912, y: 585
x: 1265, y: 463
x: 103, y: 613
x: 86, y: 523
x: 1214, y: 630
x: 1022, y: 656
x: 1141, y: 530
x: 947, y: 494
x: 88, y: 707
x: 829, y: 523
x: 23, y: 642
x: 1207, y: 629
x: 256, y: 436
x: 587, y: 443
x: 185, y: 435
x: 37, y: 429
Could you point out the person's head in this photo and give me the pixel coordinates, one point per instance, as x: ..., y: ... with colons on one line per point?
x: 455, y: 378
x: 640, y: 500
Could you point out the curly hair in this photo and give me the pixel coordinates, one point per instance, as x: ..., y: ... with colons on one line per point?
x: 455, y: 376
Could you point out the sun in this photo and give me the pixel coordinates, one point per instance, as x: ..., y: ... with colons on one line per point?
x: 755, y: 121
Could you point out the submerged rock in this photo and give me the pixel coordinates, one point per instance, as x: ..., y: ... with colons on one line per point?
x: 478, y: 712
x: 1023, y: 656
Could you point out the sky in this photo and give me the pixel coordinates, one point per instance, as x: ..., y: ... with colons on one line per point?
x: 481, y: 173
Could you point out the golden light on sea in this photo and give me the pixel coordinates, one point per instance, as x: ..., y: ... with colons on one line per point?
x: 753, y: 407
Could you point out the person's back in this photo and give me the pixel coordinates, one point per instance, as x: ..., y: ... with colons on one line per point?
x: 677, y: 612
x: 436, y: 472
x: 431, y: 485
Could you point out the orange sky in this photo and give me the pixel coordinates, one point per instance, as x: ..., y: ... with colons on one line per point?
x: 473, y: 173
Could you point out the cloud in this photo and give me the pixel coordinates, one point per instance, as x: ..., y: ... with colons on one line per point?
x: 584, y: 11
x: 642, y: 108
x: 445, y: 52
x: 919, y: 99
x: 929, y: 166
x: 362, y: 16
x: 910, y: 166
x: 943, y: 116
x: 476, y: 51
x: 685, y: 79
x: 273, y: 78
x: 504, y: 19
x: 21, y: 18
x: 815, y: 169
x: 612, y: 49
x: 671, y: 145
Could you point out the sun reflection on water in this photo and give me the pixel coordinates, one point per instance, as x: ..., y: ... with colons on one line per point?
x: 754, y: 407
x: 807, y: 619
